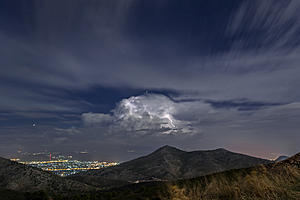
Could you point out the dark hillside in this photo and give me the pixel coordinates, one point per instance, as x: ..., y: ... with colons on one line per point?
x: 169, y: 163
x: 22, y: 178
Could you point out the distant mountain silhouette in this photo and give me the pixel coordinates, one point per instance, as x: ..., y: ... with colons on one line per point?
x: 281, y: 158
x: 169, y: 163
x: 293, y: 161
x: 18, y: 177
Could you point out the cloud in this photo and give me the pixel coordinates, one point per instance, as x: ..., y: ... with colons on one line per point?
x: 91, y: 119
x: 238, y: 125
x: 157, y: 115
x: 150, y: 114
x: 69, y: 131
x: 276, y: 23
x: 260, y: 62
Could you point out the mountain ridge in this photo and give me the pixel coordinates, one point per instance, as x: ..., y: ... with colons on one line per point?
x: 281, y: 158
x: 170, y: 163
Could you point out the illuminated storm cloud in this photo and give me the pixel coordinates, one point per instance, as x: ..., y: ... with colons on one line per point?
x: 150, y: 112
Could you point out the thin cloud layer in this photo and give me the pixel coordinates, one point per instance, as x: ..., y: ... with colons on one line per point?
x: 257, y: 59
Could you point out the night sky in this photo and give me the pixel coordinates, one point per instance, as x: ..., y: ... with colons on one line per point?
x: 120, y: 78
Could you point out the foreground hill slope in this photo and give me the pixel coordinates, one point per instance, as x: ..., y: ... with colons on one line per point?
x: 18, y: 177
x: 169, y: 163
x: 276, y: 181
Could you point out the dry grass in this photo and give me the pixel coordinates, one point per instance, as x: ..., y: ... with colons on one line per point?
x: 248, y: 184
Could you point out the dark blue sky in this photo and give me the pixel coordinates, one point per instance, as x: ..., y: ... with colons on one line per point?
x: 117, y: 77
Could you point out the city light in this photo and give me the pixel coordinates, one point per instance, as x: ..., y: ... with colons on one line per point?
x: 67, y: 167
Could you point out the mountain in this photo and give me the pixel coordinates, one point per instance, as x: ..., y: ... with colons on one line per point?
x: 18, y: 177
x: 280, y: 181
x: 281, y: 158
x: 169, y: 163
